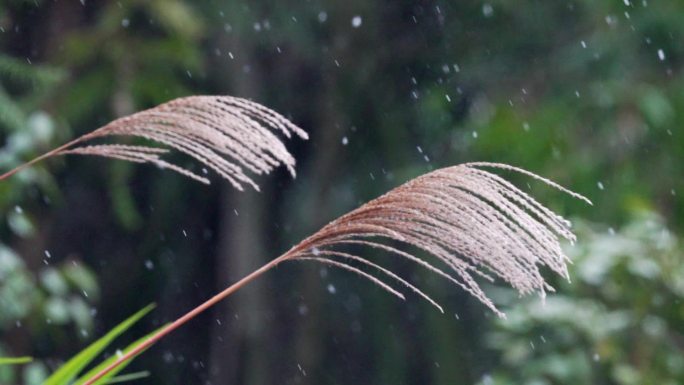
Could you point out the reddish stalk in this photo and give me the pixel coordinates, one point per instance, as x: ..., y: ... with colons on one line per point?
x: 187, y: 317
x: 48, y: 154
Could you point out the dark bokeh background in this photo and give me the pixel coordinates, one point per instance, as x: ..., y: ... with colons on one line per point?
x: 588, y: 93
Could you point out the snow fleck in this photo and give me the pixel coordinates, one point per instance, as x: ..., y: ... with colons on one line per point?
x: 167, y: 357
x: 356, y: 21
x: 149, y: 265
x: 331, y: 289
x: 584, y: 44
x: 487, y: 10
x: 345, y: 141
x: 661, y: 54
x: 125, y: 23
x: 322, y: 16
x: 600, y: 185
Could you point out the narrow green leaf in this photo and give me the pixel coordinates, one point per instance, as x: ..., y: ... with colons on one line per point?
x: 15, y: 360
x: 74, y: 366
x: 129, y: 377
x: 109, y: 377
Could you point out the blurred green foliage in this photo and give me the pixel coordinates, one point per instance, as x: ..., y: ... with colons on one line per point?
x: 43, y: 298
x: 618, y: 322
x: 55, y: 296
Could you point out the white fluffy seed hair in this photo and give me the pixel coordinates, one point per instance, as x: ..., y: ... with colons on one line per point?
x: 229, y: 135
x: 473, y: 222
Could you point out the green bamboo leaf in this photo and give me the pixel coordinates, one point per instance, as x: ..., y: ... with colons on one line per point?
x: 109, y: 377
x: 74, y: 366
x: 15, y: 360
